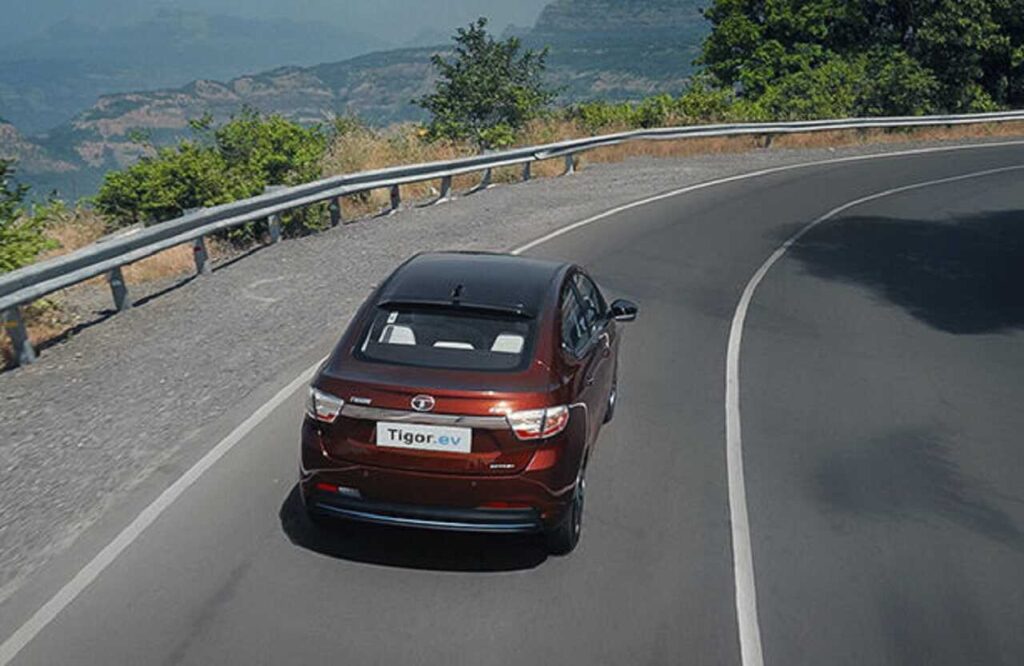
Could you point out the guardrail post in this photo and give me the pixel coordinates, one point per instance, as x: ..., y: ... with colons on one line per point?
x: 570, y: 165
x: 396, y: 199
x: 274, y: 226
x: 119, y: 289
x: 446, y: 190
x: 201, y: 256
x: 527, y: 171
x: 274, y: 220
x: 24, y: 353
x: 484, y: 184
x: 336, y: 213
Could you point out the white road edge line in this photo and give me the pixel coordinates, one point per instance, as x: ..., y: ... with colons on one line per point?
x: 742, y: 554
x: 22, y: 636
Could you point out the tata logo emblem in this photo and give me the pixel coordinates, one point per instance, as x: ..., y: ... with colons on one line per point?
x: 423, y: 403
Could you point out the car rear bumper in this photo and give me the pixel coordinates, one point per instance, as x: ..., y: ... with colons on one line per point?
x: 495, y: 521
x: 435, y: 501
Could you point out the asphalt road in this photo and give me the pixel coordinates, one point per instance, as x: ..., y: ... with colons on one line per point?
x: 881, y: 383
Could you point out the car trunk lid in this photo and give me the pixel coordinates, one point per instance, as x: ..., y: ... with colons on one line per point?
x: 460, y: 430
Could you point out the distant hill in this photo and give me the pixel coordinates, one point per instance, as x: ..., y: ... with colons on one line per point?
x: 607, y: 49
x: 620, y: 49
x: 47, y: 79
x: 29, y: 156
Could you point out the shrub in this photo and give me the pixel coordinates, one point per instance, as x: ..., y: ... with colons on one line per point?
x: 704, y: 103
x: 600, y: 115
x: 654, y: 111
x: 22, y: 236
x: 237, y: 160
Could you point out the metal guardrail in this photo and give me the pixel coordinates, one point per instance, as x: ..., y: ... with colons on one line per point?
x: 27, y: 284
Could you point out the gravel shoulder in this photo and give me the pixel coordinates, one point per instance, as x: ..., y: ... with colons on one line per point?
x: 102, y: 412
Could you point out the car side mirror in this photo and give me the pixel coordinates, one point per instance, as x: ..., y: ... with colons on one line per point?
x: 623, y: 310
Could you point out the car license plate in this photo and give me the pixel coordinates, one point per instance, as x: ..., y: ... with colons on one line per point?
x: 424, y: 438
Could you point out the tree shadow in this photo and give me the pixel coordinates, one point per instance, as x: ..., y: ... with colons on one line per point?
x: 964, y: 275
x: 911, y: 475
x: 409, y: 548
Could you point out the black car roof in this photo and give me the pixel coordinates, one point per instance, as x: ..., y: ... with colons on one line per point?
x: 499, y: 282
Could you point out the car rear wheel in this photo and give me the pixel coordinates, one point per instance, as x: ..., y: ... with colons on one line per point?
x: 562, y: 540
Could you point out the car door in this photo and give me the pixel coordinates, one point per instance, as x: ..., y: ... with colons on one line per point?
x: 585, y: 354
x: 605, y: 341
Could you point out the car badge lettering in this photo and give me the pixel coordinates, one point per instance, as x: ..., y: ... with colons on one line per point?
x: 423, y: 403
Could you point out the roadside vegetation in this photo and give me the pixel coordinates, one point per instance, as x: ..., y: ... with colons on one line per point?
x: 21, y: 236
x: 487, y: 91
x: 789, y: 60
x: 218, y: 165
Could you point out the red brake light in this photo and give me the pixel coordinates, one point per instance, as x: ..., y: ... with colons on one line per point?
x: 539, y: 423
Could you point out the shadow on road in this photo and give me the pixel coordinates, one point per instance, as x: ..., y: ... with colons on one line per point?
x: 408, y: 548
x: 962, y: 276
x: 911, y: 475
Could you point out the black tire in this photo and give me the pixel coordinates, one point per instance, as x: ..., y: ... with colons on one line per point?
x: 563, y: 539
x: 613, y: 398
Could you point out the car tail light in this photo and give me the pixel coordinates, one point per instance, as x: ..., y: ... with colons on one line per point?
x: 539, y: 423
x: 323, y: 407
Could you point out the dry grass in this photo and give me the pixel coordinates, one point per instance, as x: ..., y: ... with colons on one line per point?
x: 83, y: 227
x: 368, y: 150
x: 47, y: 320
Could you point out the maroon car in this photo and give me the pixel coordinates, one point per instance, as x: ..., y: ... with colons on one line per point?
x: 467, y: 394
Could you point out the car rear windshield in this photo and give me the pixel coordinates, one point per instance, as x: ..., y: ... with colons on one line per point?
x: 449, y: 338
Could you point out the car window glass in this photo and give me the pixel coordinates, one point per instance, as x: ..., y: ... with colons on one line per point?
x: 575, y: 333
x: 458, y: 339
x: 594, y: 307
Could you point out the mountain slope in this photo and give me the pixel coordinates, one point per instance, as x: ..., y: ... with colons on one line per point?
x: 608, y: 49
x: 47, y: 79
x: 29, y: 157
x: 620, y: 49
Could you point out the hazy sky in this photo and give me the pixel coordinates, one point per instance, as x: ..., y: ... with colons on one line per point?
x: 395, y: 21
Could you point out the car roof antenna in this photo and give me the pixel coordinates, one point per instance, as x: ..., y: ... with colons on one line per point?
x: 457, y: 294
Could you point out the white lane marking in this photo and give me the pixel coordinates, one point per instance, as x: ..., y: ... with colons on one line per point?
x: 742, y: 554
x: 744, y: 176
x: 42, y: 617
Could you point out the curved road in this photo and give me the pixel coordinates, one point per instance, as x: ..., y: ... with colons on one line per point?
x: 881, y: 378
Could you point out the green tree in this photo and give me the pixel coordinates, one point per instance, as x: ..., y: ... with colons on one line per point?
x: 489, y: 90
x: 22, y: 235
x: 804, y: 57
